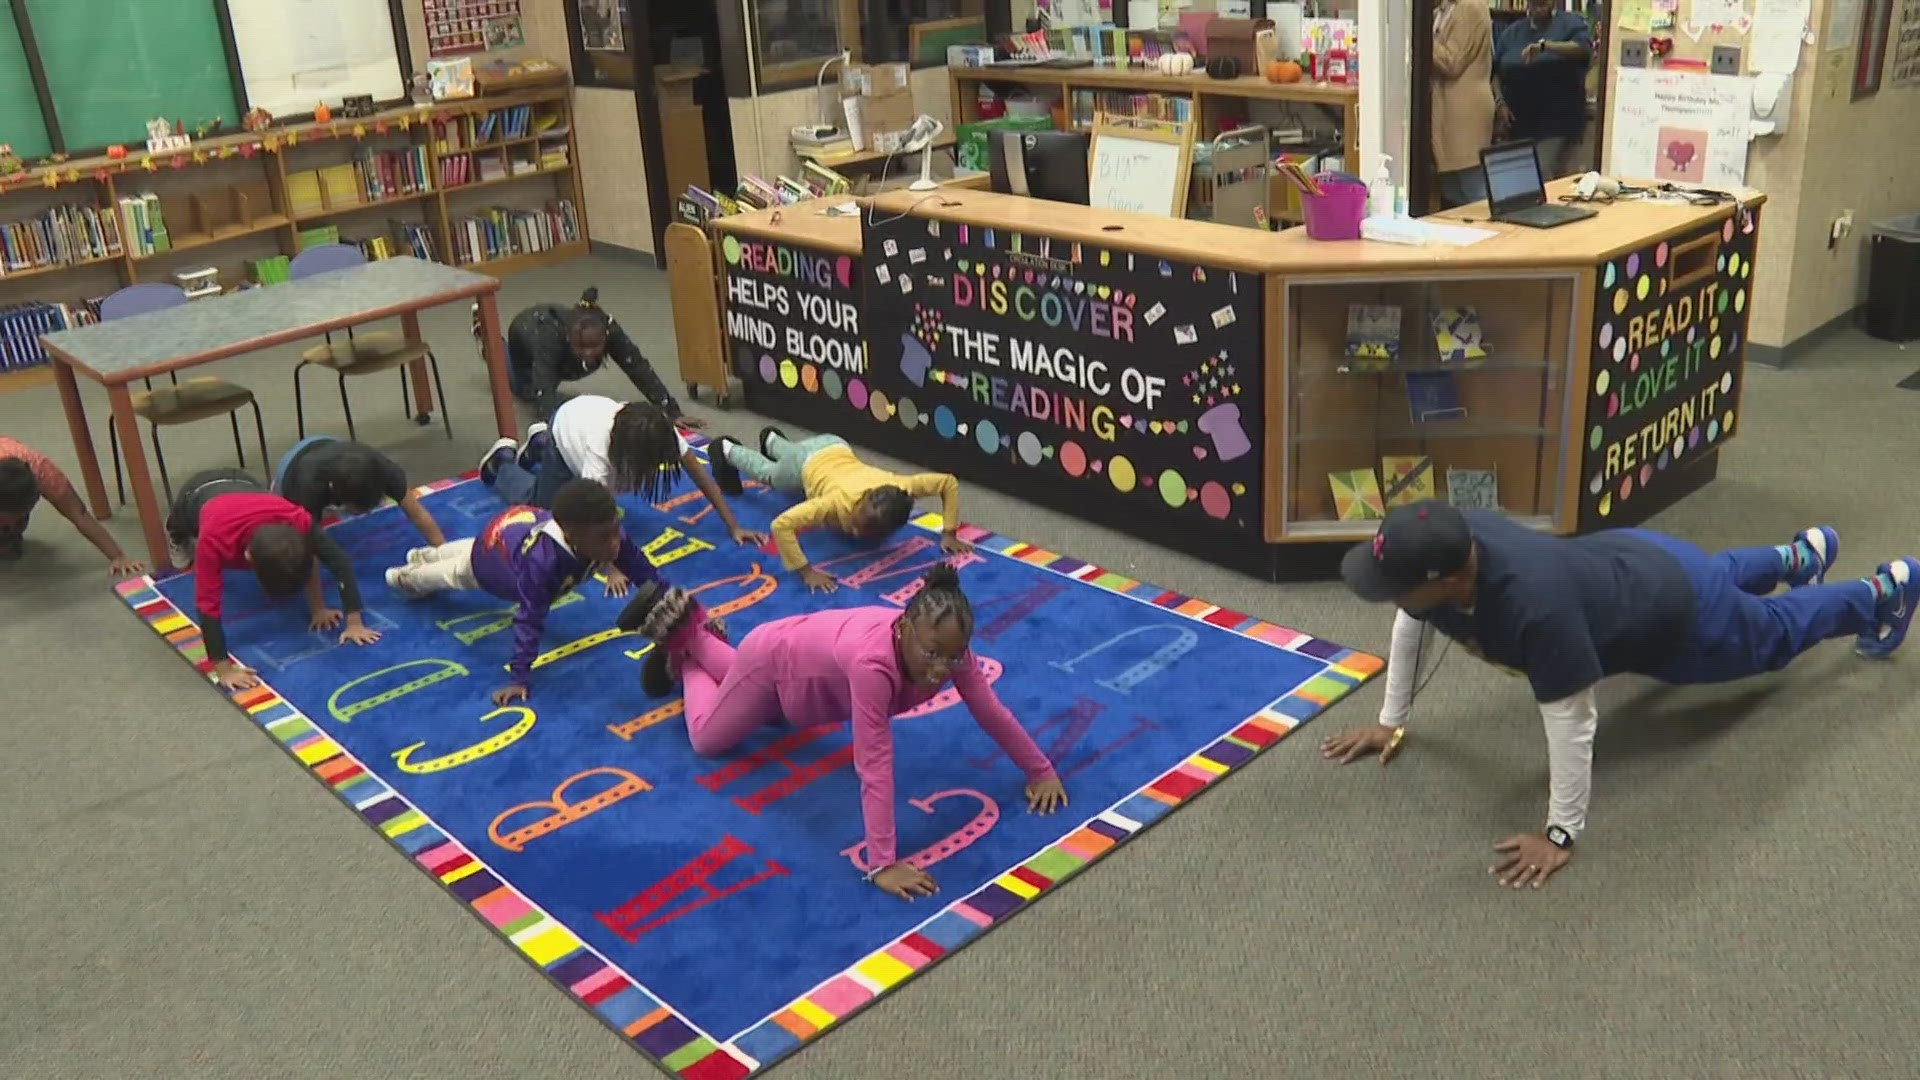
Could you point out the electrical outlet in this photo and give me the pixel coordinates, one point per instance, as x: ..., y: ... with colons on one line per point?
x: 1633, y: 52
x: 1726, y: 60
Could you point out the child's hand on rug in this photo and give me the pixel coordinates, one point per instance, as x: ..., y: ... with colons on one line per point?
x: 819, y: 580
x: 357, y: 632
x: 746, y: 536
x: 123, y: 567
x: 235, y: 676
x: 906, y: 881
x: 506, y: 695
x: 1046, y: 796
x: 618, y: 584
x: 951, y: 543
x: 326, y: 618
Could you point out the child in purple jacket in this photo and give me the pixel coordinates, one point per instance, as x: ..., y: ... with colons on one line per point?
x: 532, y: 557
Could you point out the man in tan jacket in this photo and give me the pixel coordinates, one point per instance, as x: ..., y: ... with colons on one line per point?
x: 1462, y: 98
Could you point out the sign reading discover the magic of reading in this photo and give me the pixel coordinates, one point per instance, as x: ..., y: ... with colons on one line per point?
x: 1112, y: 375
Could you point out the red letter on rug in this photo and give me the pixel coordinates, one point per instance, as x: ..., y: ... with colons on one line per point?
x: 642, y: 915
x: 1067, y: 728
x: 799, y: 774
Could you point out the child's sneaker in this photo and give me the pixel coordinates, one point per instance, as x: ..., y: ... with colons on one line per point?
x: 179, y: 554
x: 724, y: 472
x: 766, y: 437
x: 501, y: 452
x: 539, y: 437
x: 1812, y: 553
x: 634, y: 615
x: 419, y: 556
x: 1897, y: 587
x: 397, y: 581
x: 656, y: 676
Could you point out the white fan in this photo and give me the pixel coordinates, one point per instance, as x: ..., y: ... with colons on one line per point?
x: 920, y: 137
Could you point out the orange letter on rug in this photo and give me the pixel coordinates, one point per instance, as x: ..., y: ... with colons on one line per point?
x: 564, y: 812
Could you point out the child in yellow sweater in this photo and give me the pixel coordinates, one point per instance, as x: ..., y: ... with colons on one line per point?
x: 840, y: 491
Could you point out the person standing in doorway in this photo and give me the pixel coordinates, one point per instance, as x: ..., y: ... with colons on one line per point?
x: 1542, y: 63
x: 1462, y: 98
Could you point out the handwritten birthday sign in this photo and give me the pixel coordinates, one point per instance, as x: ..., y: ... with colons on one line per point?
x: 1113, y: 374
x: 1668, y: 354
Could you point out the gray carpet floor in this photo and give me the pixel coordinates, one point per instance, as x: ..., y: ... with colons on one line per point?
x: 181, y: 901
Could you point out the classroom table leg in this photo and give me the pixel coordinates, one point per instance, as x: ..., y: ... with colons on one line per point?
x: 493, y: 346
x: 422, y: 382
x: 82, y: 440
x: 152, y: 518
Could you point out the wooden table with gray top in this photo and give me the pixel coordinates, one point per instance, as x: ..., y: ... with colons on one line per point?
x: 116, y: 354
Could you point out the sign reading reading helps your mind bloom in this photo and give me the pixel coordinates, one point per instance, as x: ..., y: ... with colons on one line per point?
x: 793, y: 315
x: 1110, y: 373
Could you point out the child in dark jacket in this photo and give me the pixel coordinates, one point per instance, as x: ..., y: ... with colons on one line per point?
x: 532, y: 557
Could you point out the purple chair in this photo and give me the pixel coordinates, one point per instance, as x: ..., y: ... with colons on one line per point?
x: 364, y: 354
x: 198, y: 398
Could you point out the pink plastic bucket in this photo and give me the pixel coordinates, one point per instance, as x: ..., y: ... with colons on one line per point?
x: 1336, y: 214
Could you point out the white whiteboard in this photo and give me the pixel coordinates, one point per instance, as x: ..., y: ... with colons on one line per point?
x: 295, y: 54
x: 1680, y: 126
x: 1142, y: 176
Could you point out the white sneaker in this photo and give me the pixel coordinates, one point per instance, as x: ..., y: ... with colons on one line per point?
x: 419, y: 556
x: 180, y: 556
x: 490, y: 461
x: 397, y: 581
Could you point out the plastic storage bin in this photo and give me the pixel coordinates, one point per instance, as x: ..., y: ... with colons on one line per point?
x: 1893, y: 279
x: 1336, y: 214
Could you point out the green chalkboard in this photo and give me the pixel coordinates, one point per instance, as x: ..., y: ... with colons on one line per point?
x: 115, y: 64
x: 20, y: 124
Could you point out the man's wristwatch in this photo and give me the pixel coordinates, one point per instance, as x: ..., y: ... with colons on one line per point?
x: 1560, y: 837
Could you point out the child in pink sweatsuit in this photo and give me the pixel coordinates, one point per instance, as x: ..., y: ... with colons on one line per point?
x: 868, y: 663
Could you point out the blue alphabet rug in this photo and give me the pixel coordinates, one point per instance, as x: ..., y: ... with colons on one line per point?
x: 714, y: 912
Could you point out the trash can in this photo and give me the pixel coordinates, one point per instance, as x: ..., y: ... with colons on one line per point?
x: 1893, y: 279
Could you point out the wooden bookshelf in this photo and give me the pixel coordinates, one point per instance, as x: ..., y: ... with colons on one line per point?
x: 226, y: 200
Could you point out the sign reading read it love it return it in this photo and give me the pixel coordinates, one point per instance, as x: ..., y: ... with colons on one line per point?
x: 1671, y: 326
x: 1105, y: 374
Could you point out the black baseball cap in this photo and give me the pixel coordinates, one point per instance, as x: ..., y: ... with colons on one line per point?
x: 1416, y: 544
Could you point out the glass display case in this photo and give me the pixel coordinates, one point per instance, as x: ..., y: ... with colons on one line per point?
x: 1448, y: 387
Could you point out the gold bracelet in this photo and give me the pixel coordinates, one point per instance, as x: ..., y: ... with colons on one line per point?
x: 1393, y: 744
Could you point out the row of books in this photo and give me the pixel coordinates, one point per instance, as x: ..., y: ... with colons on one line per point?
x: 519, y: 122
x: 500, y: 232
x: 403, y: 238
x: 59, y: 236
x: 816, y: 181
x: 143, y: 225
x: 1124, y: 103
x: 22, y: 324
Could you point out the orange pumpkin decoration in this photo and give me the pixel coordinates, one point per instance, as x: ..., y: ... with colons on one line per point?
x: 1283, y: 71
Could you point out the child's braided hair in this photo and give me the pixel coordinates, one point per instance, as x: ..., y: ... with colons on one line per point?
x: 940, y: 599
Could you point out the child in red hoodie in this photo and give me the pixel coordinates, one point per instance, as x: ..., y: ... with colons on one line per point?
x: 227, y: 520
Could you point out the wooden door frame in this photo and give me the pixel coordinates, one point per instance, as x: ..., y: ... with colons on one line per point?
x: 646, y: 103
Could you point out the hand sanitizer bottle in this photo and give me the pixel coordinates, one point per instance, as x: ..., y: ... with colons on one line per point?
x: 1380, y: 192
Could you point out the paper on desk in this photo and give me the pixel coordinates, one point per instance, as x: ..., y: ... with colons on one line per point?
x: 1421, y: 232
x: 1779, y: 27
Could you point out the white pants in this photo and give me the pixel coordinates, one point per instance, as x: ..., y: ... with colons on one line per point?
x: 445, y: 568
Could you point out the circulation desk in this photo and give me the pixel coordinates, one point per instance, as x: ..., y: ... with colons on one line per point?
x: 1210, y: 388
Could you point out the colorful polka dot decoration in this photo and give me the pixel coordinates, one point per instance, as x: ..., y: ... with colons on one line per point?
x: 1213, y: 380
x: 1621, y: 383
x: 655, y: 1028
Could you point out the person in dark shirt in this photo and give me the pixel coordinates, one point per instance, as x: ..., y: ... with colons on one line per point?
x: 1566, y: 613
x: 1540, y: 83
x: 548, y: 344
x: 324, y: 473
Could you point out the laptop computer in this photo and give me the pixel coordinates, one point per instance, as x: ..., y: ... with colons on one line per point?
x: 1515, y: 192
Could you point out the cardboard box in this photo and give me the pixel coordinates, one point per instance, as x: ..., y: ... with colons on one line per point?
x: 887, y: 115
x: 875, y: 80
